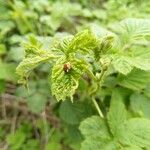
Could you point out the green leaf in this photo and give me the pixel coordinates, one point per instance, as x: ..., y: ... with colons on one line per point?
x: 94, y: 126
x: 37, y: 102
x: 7, y: 71
x: 2, y: 49
x: 16, y: 140
x: 122, y: 64
x: 135, y: 80
x: 31, y: 144
x: 117, y: 113
x: 2, y: 86
x: 33, y: 57
x: 140, y: 104
x: 131, y: 148
x: 141, y: 58
x: 54, y: 142
x: 65, y: 76
x: 84, y: 41
x: 28, y: 64
x: 138, y: 57
x: 136, y: 132
x: 74, y: 113
x: 132, y: 29
x: 146, y: 91
x: 96, y: 134
x: 97, y: 143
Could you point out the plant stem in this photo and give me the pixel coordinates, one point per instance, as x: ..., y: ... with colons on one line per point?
x: 97, y: 107
x: 99, y: 82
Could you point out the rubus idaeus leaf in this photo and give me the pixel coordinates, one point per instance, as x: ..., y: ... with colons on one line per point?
x: 65, y: 80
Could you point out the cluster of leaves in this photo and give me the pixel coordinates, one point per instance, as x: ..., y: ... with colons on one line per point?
x: 126, y: 51
x: 117, y: 131
x: 104, y: 60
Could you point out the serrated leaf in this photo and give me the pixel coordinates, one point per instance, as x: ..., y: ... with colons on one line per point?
x: 96, y: 134
x: 133, y: 29
x: 135, y: 80
x: 74, y: 113
x: 28, y: 64
x: 97, y: 143
x: 33, y: 57
x: 122, y: 64
x: 141, y: 58
x: 65, y: 82
x: 117, y: 113
x: 137, y: 57
x: 94, y: 126
x: 140, y: 104
x: 136, y: 132
x: 83, y: 41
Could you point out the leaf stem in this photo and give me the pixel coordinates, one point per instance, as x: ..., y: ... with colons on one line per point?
x: 99, y: 84
x: 97, y: 107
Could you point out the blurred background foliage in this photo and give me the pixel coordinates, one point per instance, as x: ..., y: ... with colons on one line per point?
x: 33, y: 119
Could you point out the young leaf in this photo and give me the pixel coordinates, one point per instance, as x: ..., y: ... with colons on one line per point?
x: 65, y: 76
x: 28, y: 64
x: 33, y: 57
x: 83, y: 41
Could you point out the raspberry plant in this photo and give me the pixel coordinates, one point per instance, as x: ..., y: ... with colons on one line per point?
x: 121, y: 54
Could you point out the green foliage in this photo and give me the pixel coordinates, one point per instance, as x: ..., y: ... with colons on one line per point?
x: 140, y: 104
x: 8, y: 71
x: 74, y: 113
x: 87, y: 55
x: 117, y: 113
x: 33, y: 57
x: 96, y: 133
x: 22, y: 139
x: 118, y: 131
x: 135, y: 80
x: 64, y: 83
